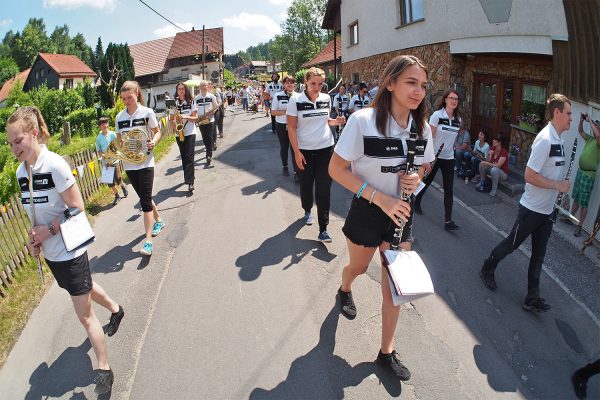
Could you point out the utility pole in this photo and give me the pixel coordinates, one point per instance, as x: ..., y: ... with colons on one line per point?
x: 203, y: 55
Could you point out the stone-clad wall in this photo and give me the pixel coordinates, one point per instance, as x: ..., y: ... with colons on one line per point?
x: 435, y: 56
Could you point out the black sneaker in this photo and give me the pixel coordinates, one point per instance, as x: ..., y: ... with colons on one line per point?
x: 116, y: 200
x: 537, y: 304
x: 104, y: 381
x: 208, y: 160
x: 579, y: 385
x: 488, y: 280
x: 392, y: 361
x: 115, y: 321
x: 125, y: 192
x: 296, y: 177
x: 191, y: 187
x: 450, y: 226
x: 347, y: 305
x: 417, y: 207
x: 286, y: 171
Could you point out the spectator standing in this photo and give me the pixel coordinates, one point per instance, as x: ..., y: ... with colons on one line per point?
x: 586, y: 174
x: 496, y: 165
x: 544, y: 181
x: 244, y: 94
x: 445, y: 124
x: 104, y: 138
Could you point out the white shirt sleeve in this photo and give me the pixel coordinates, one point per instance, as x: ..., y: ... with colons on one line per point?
x: 61, y: 174
x: 152, y: 121
x: 435, y: 119
x: 351, y: 146
x: 429, y: 155
x: 352, y: 104
x: 292, y: 110
x: 194, y: 107
x: 539, y: 153
x: 335, y: 101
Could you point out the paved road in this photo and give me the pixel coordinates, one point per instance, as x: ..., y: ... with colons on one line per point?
x: 238, y: 300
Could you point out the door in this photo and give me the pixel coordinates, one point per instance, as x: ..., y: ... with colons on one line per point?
x: 493, y: 106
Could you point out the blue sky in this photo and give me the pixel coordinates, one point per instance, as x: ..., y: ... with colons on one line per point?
x: 245, y: 23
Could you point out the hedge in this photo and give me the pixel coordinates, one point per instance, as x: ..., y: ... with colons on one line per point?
x: 83, y: 122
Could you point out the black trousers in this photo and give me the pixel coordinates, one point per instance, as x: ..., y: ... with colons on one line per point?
x: 316, y: 174
x: 273, y: 122
x: 447, y: 167
x: 528, y: 222
x: 186, y: 149
x: 284, y: 146
x: 207, y: 132
x: 590, y: 370
x: 219, y: 116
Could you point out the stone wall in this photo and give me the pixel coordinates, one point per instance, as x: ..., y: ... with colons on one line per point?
x: 435, y: 56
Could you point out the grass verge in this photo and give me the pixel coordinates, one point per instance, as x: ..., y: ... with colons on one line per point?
x: 22, y: 298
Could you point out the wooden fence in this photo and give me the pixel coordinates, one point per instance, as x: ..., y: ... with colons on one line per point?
x: 14, y: 222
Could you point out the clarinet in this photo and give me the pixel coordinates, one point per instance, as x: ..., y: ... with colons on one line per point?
x: 561, y: 195
x: 434, y: 161
x: 410, y: 168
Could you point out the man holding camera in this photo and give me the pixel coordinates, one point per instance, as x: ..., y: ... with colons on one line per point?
x: 586, y: 174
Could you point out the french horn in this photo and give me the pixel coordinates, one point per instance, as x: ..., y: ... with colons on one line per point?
x: 133, y: 147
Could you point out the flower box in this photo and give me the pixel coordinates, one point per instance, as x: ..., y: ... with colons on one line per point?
x: 528, y: 127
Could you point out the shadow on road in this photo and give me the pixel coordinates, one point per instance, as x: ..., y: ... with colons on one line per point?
x: 71, y: 370
x: 115, y: 259
x: 275, y: 249
x: 320, y: 374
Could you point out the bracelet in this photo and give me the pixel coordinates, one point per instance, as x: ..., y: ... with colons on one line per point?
x: 361, y: 190
x: 372, y: 196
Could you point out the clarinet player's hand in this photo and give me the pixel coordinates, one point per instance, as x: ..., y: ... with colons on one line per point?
x: 393, y: 207
x: 563, y: 186
x: 409, y: 183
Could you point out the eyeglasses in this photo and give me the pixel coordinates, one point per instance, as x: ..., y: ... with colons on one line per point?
x: 452, y: 98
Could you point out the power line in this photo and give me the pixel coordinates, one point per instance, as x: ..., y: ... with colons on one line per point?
x: 163, y: 17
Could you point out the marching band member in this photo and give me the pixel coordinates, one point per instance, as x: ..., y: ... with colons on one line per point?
x: 188, y: 111
x: 137, y: 116
x: 340, y: 100
x: 366, y: 161
x: 445, y: 124
x: 360, y: 100
x: 55, y: 190
x: 220, y: 114
x: 312, y: 141
x: 207, y: 106
x: 273, y: 88
x: 279, y: 109
x: 543, y: 177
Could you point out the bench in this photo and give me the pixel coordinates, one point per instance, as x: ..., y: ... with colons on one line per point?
x: 513, y: 185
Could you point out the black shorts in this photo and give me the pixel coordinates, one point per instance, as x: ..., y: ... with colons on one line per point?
x: 73, y: 275
x: 367, y: 225
x: 142, y: 181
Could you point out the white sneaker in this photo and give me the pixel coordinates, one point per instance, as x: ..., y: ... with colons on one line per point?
x: 308, y: 219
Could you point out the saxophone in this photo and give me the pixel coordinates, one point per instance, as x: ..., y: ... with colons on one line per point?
x: 179, y: 125
x: 205, y: 118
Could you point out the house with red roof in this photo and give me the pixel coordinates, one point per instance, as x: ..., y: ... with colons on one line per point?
x: 9, y: 84
x: 329, y: 58
x: 58, y: 71
x: 161, y: 64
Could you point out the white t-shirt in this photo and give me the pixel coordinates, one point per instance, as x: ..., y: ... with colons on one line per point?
x: 187, y: 109
x: 445, y: 133
x: 51, y: 176
x: 343, y: 99
x: 312, y: 129
x: 376, y: 158
x: 373, y: 91
x: 143, y: 118
x: 547, y: 159
x: 274, y: 88
x: 205, y: 103
x: 357, y: 102
x: 280, y: 102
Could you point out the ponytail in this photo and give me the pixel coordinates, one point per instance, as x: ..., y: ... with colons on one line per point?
x: 31, y: 118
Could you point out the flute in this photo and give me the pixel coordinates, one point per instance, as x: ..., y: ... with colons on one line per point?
x: 32, y: 220
x: 557, y: 205
x: 410, y: 168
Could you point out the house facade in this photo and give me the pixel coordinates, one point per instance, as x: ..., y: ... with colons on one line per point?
x: 58, y: 71
x: 329, y: 59
x: 161, y: 64
x: 504, y: 57
x: 255, y: 68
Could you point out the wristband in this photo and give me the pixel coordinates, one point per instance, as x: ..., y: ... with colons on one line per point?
x: 372, y: 196
x: 361, y: 190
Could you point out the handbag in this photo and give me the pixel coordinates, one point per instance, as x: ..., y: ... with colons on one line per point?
x: 108, y: 175
x: 408, y: 276
x: 76, y: 230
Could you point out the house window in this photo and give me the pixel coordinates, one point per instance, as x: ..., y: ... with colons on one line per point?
x: 411, y: 11
x: 37, y: 75
x: 533, y: 101
x: 69, y: 83
x: 41, y: 72
x: 353, y: 33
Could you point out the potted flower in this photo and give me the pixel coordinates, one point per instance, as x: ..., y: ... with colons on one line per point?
x: 529, y: 121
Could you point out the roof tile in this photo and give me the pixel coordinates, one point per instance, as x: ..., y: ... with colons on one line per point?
x: 190, y: 43
x: 326, y: 54
x: 150, y: 57
x: 66, y: 64
x: 8, y: 85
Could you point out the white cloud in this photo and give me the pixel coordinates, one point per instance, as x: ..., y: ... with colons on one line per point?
x: 261, y: 26
x: 6, y: 22
x: 286, y: 3
x: 170, y: 30
x: 71, y: 4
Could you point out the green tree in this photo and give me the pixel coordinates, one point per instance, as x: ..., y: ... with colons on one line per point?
x: 97, y: 56
x: 30, y: 42
x: 116, y: 67
x: 18, y: 96
x: 228, y: 78
x: 81, y: 49
x: 8, y: 69
x: 61, y: 39
x: 7, y: 44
